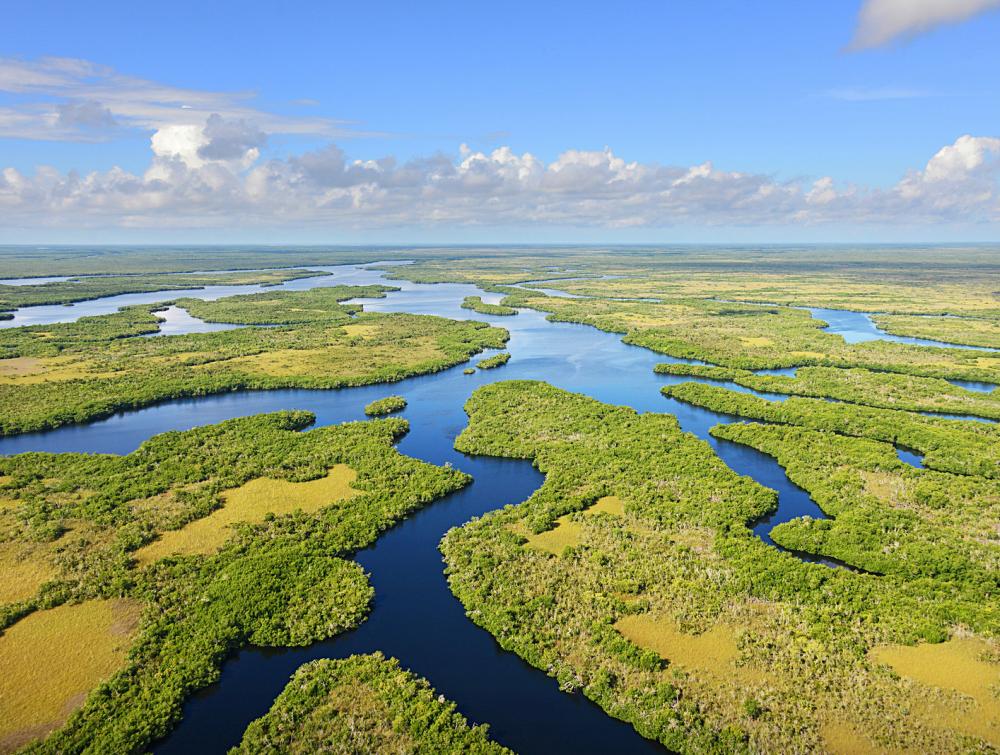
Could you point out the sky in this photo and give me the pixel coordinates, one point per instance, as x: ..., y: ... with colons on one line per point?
x: 448, y: 122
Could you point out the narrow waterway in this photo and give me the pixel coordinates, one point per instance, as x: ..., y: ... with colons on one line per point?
x: 858, y: 327
x: 414, y: 616
x: 175, y: 321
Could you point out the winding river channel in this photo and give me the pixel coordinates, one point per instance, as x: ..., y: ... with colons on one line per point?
x: 414, y: 616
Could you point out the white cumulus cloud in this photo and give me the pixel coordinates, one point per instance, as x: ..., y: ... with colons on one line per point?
x: 211, y: 175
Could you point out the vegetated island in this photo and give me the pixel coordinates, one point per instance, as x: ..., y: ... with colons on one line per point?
x: 498, y: 360
x: 386, y: 405
x: 365, y: 703
x: 476, y: 304
x: 883, y: 390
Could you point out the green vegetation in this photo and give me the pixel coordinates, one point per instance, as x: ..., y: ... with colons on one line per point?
x: 498, y: 360
x: 669, y: 613
x: 21, y: 261
x: 280, y: 580
x: 476, y: 304
x: 880, y: 389
x: 971, y: 331
x: 386, y: 405
x: 51, y: 377
x: 364, y: 703
x: 957, y: 446
x: 933, y: 280
x: 752, y: 337
x: 685, y: 302
x: 82, y: 289
x: 250, y: 503
x: 316, y: 305
x: 52, y: 340
x: 887, y: 517
x: 631, y: 575
x: 962, y: 669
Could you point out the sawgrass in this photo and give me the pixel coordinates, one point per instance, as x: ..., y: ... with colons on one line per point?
x: 21, y: 575
x: 713, y: 651
x: 567, y: 532
x: 52, y: 659
x: 609, y: 504
x: 31, y: 370
x: 842, y: 737
x: 757, y: 341
x: 251, y: 503
x: 359, y: 330
x: 968, y: 666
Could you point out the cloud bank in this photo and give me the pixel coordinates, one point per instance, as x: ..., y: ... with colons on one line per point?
x: 883, y: 21
x: 212, y: 175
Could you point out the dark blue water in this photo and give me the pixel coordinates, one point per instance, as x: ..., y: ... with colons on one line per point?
x: 415, y: 617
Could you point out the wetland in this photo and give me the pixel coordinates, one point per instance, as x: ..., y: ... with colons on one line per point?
x: 623, y: 551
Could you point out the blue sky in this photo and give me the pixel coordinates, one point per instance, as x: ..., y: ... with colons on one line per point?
x: 771, y: 94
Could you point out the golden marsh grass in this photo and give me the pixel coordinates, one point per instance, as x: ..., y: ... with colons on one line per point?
x: 713, y: 651
x: 251, y: 503
x: 758, y: 341
x: 52, y: 659
x: 22, y: 573
x: 960, y: 665
x: 360, y: 330
x: 567, y: 532
x: 841, y: 738
x: 609, y: 504
x: 5, y: 501
x: 30, y: 370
